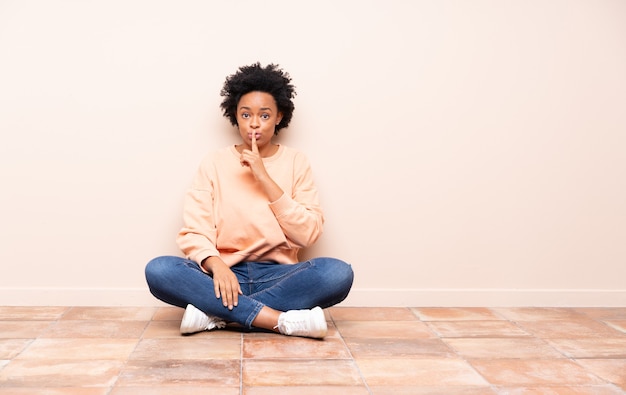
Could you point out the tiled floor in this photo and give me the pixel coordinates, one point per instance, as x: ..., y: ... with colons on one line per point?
x: 119, y: 351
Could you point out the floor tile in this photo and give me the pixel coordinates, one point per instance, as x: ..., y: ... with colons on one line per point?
x: 590, y: 348
x: 374, y: 351
x: 476, y: 329
x: 110, y: 313
x: 561, y: 390
x: 176, y: 390
x: 613, y: 370
x: 306, y: 390
x: 79, y: 349
x: 455, y: 314
x: 604, y: 313
x: 619, y: 325
x: 176, y: 373
x: 569, y: 329
x: 11, y: 348
x: 171, y: 329
x: 47, y: 373
x: 53, y: 391
x: 371, y: 314
x: 18, y: 313
x: 431, y: 390
x: 418, y: 372
x: 534, y: 372
x: 288, y: 372
x: 95, y: 329
x: 401, y: 348
x: 169, y: 314
x: 539, y: 313
x: 293, y: 347
x: 529, y: 348
x: 161, y: 329
x: 23, y: 329
x: 384, y: 329
x: 183, y: 348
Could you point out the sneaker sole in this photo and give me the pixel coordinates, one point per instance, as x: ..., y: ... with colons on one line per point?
x: 321, y: 332
x: 185, y: 324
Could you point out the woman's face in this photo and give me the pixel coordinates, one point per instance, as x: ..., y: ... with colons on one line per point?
x: 257, y: 114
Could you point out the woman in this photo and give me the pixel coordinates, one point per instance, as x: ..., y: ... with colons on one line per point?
x: 251, y: 208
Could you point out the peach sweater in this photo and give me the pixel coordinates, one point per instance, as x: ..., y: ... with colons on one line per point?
x: 226, y: 214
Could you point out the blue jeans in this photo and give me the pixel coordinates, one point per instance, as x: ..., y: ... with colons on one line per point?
x: 320, y: 282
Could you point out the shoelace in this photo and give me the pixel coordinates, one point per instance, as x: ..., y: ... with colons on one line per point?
x: 295, y: 326
x: 215, y: 322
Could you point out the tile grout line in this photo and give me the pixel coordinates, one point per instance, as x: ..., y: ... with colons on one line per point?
x: 30, y: 342
x: 241, y: 341
x: 343, y: 341
x: 597, y: 377
x: 574, y: 360
x: 125, y: 364
x: 544, y: 340
x: 453, y: 349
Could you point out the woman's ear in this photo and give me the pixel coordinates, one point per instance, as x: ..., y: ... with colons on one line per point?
x: 279, y: 118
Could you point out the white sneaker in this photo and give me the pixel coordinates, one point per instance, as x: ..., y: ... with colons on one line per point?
x: 306, y: 323
x: 195, y: 320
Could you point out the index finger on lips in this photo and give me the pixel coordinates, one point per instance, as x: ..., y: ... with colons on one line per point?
x: 255, y: 149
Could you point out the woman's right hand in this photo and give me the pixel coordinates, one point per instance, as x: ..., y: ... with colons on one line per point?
x: 226, y: 284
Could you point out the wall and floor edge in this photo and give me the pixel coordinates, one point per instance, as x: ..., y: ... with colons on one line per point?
x: 359, y: 297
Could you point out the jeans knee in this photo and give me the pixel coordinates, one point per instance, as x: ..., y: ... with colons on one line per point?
x: 338, y: 278
x: 347, y: 275
x: 157, y: 268
x: 339, y: 272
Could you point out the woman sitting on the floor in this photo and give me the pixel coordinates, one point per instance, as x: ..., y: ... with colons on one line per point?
x: 250, y: 209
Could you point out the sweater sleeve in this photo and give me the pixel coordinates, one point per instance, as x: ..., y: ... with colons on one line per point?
x: 197, y: 238
x: 300, y: 215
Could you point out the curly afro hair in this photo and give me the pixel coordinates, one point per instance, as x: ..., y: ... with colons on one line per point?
x: 255, y: 78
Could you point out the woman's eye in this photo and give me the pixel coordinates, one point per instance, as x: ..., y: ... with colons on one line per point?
x: 265, y: 116
x: 245, y: 115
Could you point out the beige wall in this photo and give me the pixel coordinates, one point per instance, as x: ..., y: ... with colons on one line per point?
x: 467, y: 152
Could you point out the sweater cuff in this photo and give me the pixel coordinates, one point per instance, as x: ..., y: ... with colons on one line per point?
x: 202, y: 255
x: 282, y: 205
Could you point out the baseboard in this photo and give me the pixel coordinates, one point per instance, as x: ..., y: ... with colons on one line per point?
x: 40, y: 296
x: 359, y: 297
x: 492, y: 297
